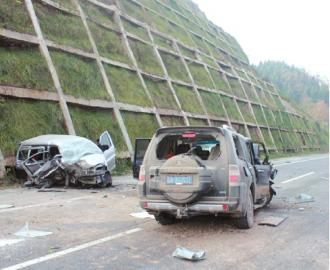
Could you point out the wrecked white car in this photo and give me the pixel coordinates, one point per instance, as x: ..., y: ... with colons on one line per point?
x: 66, y: 159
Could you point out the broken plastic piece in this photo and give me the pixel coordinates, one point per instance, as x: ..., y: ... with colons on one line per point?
x: 142, y: 214
x: 5, y: 206
x: 305, y: 198
x: 7, y: 242
x: 26, y: 232
x: 301, y: 198
x: 272, y: 221
x: 187, y: 254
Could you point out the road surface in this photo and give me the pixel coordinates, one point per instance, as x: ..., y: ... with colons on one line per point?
x: 93, y: 229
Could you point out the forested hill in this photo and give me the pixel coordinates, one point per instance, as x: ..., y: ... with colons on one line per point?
x: 298, y: 86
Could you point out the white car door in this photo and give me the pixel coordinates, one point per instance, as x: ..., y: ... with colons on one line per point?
x: 108, y: 149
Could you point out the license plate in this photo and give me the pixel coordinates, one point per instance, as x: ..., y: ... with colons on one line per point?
x: 179, y: 180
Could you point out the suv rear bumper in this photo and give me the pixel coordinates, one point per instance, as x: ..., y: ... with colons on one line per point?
x: 212, y: 207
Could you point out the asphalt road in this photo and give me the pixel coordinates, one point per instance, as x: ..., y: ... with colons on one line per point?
x: 93, y: 229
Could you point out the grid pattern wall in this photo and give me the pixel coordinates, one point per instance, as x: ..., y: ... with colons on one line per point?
x: 128, y: 66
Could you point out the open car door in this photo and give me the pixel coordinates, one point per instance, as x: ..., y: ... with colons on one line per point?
x: 262, y: 168
x: 108, y: 148
x: 141, y: 146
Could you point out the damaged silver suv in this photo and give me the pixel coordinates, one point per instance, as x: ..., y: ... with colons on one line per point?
x: 189, y: 171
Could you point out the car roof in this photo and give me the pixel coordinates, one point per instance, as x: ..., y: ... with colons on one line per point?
x: 53, y: 139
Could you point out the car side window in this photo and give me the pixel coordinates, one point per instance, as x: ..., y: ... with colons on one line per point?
x: 238, y: 148
x: 104, y: 140
x: 247, y: 152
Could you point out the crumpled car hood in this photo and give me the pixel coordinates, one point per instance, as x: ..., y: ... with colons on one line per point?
x: 72, y: 148
x: 90, y: 161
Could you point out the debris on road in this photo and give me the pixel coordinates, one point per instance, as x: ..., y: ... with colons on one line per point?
x: 50, y: 190
x: 142, y: 215
x: 26, y: 232
x: 5, y: 206
x: 7, y: 242
x: 187, y: 254
x: 302, y: 198
x: 272, y: 221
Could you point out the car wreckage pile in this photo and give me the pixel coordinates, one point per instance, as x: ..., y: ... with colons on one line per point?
x: 66, y: 159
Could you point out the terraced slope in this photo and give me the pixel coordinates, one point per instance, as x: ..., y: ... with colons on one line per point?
x: 131, y: 66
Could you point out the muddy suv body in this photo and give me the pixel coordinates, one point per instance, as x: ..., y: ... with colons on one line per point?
x: 189, y: 171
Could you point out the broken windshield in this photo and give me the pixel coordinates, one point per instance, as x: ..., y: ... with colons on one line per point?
x: 205, y: 146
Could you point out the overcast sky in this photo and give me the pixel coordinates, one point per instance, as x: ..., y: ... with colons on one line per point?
x: 297, y: 32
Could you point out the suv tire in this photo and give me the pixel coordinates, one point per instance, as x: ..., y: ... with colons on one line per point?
x: 165, y: 219
x: 246, y: 221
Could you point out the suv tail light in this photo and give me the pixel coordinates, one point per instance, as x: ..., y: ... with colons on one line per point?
x: 234, y: 174
x: 142, y: 175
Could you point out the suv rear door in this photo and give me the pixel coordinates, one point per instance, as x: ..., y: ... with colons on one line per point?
x: 108, y: 149
x: 141, y: 145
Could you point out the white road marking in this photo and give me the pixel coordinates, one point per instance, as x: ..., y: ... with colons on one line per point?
x: 325, y: 178
x: 7, y: 242
x: 70, y: 250
x: 299, y: 161
x: 296, y: 178
x: 43, y: 204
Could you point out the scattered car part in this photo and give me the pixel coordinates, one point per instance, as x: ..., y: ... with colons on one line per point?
x: 6, y: 206
x: 26, y: 232
x: 272, y: 221
x: 184, y: 253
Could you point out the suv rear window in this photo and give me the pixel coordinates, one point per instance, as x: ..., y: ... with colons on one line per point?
x: 205, y: 146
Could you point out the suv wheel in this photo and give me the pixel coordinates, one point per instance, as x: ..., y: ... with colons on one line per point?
x: 246, y: 221
x: 165, y: 219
